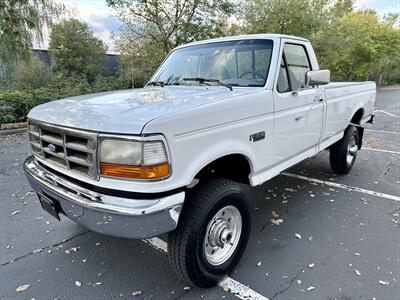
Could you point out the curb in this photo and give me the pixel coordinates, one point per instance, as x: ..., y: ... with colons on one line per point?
x: 12, y: 131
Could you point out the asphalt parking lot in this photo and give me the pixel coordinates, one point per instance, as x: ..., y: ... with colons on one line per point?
x: 339, y: 238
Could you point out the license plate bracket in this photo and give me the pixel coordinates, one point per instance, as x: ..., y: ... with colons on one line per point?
x: 49, y: 205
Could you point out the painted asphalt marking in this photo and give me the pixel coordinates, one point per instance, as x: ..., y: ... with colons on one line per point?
x: 342, y: 186
x: 387, y: 113
x: 239, y: 290
x: 381, y: 150
x: 382, y: 131
x: 228, y: 284
x: 158, y: 244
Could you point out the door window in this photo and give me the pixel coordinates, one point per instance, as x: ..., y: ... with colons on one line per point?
x: 293, y: 69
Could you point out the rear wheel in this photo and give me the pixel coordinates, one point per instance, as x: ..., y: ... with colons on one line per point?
x: 212, y: 233
x: 344, y: 152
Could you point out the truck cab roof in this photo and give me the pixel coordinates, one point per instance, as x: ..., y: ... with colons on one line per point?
x: 272, y: 36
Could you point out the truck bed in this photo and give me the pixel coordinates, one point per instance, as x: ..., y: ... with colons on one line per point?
x: 343, y: 101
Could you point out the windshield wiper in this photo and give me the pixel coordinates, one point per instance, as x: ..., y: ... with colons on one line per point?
x: 206, y: 80
x: 156, y: 83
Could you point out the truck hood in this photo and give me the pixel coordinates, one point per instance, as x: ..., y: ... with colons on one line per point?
x: 127, y: 111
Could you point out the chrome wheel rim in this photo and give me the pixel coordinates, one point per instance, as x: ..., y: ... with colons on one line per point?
x: 352, y: 149
x: 222, y: 235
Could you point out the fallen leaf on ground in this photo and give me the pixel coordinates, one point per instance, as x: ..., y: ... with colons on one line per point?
x: 22, y: 288
x: 73, y: 249
x: 78, y: 283
x: 297, y: 235
x: 370, y: 143
x: 186, y: 288
x: 290, y: 190
x: 259, y: 264
x: 16, y: 212
x: 225, y: 287
x: 310, y: 288
x: 136, y: 293
x: 385, y: 283
x: 298, y: 281
x: 357, y: 272
x: 277, y: 221
x: 312, y: 265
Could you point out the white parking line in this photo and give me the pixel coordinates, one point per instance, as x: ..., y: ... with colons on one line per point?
x: 382, y: 131
x: 239, y: 290
x: 158, y: 244
x: 387, y: 113
x: 380, y: 150
x: 228, y: 284
x: 342, y: 186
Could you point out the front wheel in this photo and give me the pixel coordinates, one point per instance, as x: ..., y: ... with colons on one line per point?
x: 212, y: 233
x: 344, y: 152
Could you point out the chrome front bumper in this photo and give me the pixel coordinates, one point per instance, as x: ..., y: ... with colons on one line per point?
x: 107, y: 214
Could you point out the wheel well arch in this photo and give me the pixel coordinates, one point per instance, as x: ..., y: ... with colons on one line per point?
x: 236, y: 167
x: 356, y: 119
x: 357, y: 116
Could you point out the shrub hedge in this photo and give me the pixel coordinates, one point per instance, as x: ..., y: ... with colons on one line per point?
x: 15, y: 103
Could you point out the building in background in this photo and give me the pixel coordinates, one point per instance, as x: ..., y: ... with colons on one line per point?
x: 110, y: 65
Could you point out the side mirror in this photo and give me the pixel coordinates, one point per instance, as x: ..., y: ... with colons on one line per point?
x: 319, y: 77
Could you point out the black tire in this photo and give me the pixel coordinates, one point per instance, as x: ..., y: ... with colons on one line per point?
x: 339, y: 152
x: 186, y: 245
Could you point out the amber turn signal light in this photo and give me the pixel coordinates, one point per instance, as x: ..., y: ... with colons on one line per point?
x: 134, y: 172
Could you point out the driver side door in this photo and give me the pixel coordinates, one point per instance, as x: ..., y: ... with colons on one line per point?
x: 298, y: 109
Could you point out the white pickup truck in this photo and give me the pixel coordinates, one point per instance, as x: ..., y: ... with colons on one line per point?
x: 175, y: 155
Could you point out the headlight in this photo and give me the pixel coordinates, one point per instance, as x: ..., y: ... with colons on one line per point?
x: 133, y: 159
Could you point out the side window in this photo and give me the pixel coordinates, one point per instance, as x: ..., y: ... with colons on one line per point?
x: 297, y: 65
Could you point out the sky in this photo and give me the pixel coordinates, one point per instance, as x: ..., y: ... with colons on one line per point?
x: 103, y: 21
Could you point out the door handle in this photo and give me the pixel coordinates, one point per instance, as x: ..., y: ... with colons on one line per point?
x: 318, y: 99
x: 295, y: 93
x: 298, y: 118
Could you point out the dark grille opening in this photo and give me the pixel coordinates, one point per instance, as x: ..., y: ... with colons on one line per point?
x: 56, y: 160
x: 77, y: 154
x: 78, y: 168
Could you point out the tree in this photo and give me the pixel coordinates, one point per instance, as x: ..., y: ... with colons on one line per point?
x: 151, y: 29
x: 360, y: 46
x: 138, y: 59
x: 170, y: 23
x: 21, y: 21
x: 75, y: 51
x: 305, y: 18
x: 32, y: 75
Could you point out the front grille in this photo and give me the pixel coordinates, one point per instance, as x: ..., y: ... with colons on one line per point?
x: 72, y: 149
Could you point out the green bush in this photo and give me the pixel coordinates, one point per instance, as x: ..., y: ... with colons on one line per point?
x: 15, y: 104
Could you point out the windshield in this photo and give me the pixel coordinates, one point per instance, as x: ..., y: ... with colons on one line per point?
x: 237, y: 63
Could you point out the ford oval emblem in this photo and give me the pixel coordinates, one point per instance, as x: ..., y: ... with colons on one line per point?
x: 52, y: 147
